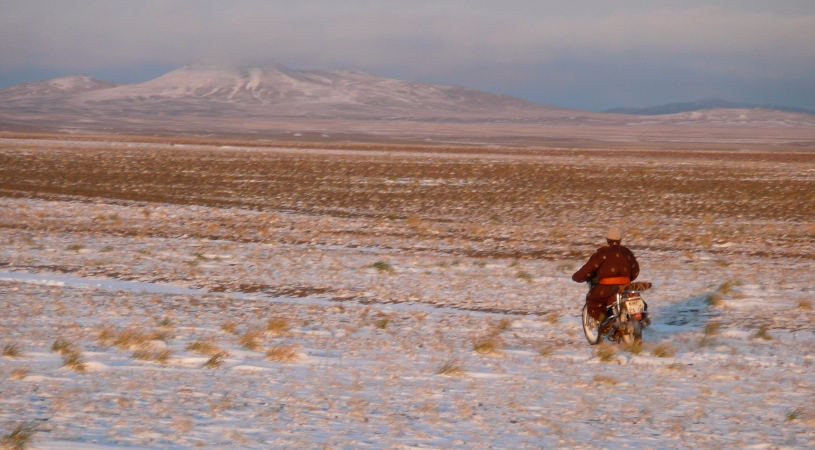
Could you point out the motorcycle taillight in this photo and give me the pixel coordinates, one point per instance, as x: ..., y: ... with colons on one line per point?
x: 638, y: 316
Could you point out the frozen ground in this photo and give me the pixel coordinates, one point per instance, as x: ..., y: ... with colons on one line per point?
x: 366, y: 374
x: 337, y: 340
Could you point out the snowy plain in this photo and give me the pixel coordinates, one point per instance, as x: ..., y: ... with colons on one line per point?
x: 373, y: 342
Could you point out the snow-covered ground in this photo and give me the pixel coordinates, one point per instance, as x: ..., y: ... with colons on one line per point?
x: 724, y: 365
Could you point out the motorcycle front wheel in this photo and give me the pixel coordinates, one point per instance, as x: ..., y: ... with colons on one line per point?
x: 591, y: 327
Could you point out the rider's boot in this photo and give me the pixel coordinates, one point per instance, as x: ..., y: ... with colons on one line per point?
x: 605, y: 321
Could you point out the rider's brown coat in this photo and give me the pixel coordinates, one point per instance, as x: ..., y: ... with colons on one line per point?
x: 611, y: 261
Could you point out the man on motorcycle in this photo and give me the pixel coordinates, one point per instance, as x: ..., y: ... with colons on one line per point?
x: 608, y: 268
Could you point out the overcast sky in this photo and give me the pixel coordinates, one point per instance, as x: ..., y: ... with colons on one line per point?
x: 590, y: 55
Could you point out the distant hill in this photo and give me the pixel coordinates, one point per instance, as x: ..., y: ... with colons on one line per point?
x: 56, y: 88
x: 268, y: 91
x: 272, y: 100
x: 710, y: 103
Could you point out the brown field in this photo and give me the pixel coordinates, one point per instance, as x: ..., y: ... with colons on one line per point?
x: 534, y: 202
x: 724, y: 211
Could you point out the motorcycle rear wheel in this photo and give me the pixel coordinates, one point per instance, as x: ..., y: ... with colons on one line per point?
x: 591, y: 327
x: 635, y: 335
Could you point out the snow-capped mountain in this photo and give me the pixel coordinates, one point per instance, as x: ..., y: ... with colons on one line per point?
x: 318, y: 90
x: 268, y: 91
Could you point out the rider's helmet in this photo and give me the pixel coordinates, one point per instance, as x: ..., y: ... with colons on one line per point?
x: 614, y: 234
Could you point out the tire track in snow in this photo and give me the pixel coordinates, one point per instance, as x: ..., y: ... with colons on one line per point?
x: 52, y: 279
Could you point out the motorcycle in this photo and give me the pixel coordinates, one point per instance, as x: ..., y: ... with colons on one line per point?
x: 626, y: 317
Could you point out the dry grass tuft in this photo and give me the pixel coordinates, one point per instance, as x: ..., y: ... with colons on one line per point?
x: 158, y: 335
x: 74, y: 361
x: 605, y: 379
x: 18, y: 373
x: 230, y: 327
x: 129, y: 338
x: 763, y: 333
x: 525, y: 276
x: 165, y: 323
x: 144, y: 353
x: 382, y: 266
x: 277, y: 326
x: 106, y: 336
x: 552, y: 318
x: 663, y: 351
x: 203, y: 348
x: 63, y: 346
x: 215, y: 361
x: 712, y: 328
x: 11, y: 350
x: 20, y: 437
x: 490, y: 344
x: 605, y: 352
x: 282, y: 353
x: 635, y: 348
x: 714, y: 299
x: 545, y: 350
x: 727, y: 287
x: 503, y: 325
x: 795, y: 414
x: 162, y: 356
x: 450, y: 369
x: 382, y: 323
x: 805, y: 305
x: 251, y: 339
x: 148, y: 353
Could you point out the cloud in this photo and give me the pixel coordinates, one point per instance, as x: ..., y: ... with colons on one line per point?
x: 488, y: 45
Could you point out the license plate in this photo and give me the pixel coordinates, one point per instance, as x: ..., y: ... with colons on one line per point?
x: 635, y: 306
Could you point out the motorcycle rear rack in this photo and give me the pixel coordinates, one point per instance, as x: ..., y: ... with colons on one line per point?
x: 635, y: 286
